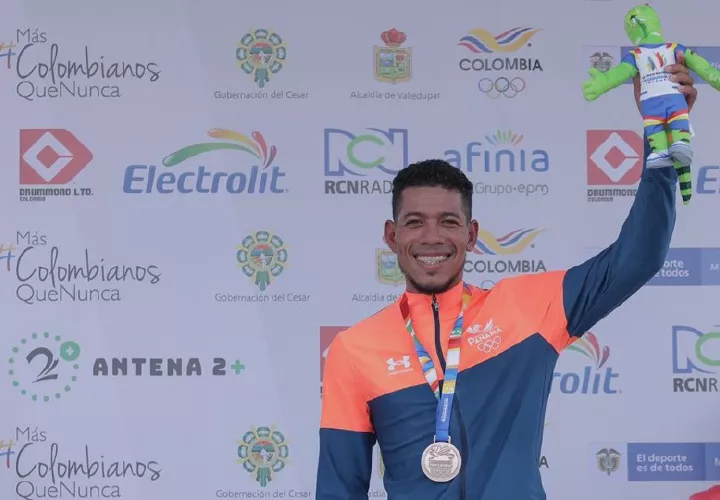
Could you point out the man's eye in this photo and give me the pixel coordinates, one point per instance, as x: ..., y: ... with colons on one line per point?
x: 412, y: 222
x: 450, y: 222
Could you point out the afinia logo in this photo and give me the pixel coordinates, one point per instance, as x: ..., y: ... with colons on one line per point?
x: 184, y: 177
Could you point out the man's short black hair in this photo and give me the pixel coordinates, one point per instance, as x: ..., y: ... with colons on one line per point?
x: 433, y: 173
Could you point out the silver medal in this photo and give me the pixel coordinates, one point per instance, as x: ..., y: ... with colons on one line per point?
x: 441, y: 462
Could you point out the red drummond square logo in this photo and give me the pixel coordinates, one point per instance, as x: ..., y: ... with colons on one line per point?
x: 614, y: 157
x: 51, y: 156
x: 327, y: 334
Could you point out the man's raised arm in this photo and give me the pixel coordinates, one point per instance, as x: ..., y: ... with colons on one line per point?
x: 593, y: 289
x: 346, y: 433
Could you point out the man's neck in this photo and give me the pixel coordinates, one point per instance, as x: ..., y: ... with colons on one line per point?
x: 449, y: 302
x: 410, y: 288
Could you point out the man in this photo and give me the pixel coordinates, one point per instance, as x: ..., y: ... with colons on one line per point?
x: 478, y: 436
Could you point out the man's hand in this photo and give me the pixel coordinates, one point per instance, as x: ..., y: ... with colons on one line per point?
x: 680, y: 74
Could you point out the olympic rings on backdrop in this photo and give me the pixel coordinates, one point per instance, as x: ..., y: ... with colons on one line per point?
x: 501, y: 87
x: 487, y: 284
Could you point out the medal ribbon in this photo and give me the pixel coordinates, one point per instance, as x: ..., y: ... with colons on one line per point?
x: 445, y: 400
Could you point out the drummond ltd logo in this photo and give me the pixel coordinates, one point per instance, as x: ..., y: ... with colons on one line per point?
x: 614, y: 164
x: 181, y: 172
x: 50, y: 160
x: 512, y: 253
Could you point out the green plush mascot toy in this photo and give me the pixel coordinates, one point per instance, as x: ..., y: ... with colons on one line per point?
x: 663, y: 107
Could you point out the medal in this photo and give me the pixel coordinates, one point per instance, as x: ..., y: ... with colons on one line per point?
x: 441, y: 462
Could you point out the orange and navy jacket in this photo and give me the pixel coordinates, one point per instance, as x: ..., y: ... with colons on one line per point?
x: 374, y: 388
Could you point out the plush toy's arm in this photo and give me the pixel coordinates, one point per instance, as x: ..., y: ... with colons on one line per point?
x: 703, y: 68
x: 601, y: 83
x: 617, y: 75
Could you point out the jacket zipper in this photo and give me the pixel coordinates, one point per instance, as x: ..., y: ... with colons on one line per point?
x: 456, y: 401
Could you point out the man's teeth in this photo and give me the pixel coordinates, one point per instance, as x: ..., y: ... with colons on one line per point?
x: 432, y: 260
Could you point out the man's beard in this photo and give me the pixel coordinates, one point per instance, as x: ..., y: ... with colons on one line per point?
x: 431, y: 289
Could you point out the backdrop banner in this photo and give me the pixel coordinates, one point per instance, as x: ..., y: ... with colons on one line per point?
x: 193, y: 197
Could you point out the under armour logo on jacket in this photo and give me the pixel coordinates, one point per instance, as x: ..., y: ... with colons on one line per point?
x: 392, y: 364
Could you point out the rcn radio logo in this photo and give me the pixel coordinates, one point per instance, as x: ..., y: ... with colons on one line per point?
x: 696, y: 359
x: 363, y: 161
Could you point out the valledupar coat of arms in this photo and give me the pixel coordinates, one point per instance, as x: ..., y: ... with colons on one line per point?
x: 387, y: 268
x: 393, y: 63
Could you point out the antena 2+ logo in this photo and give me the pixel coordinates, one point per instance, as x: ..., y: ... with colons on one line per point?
x: 185, y: 175
x: 696, y: 359
x: 356, y: 162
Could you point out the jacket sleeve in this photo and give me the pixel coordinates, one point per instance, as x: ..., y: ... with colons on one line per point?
x: 593, y: 289
x: 346, y: 432
x: 562, y: 305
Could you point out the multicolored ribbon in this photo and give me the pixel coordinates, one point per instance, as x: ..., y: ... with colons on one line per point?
x: 452, y: 364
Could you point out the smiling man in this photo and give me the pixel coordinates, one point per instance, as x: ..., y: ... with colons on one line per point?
x: 452, y: 380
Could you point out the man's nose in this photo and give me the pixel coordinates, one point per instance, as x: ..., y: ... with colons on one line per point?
x: 431, y: 234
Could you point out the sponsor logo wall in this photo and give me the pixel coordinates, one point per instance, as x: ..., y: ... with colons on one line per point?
x: 193, y: 212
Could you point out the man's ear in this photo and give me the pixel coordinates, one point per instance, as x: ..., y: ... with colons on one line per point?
x: 389, y: 235
x: 472, y: 235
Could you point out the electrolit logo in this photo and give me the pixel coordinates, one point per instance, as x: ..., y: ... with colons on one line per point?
x: 596, y: 377
x: 178, y: 175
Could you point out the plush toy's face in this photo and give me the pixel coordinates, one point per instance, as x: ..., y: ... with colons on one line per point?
x: 642, y: 25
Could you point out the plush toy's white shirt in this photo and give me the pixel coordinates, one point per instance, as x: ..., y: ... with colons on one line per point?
x: 654, y: 81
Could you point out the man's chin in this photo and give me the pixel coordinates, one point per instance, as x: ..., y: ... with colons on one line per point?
x: 432, y: 284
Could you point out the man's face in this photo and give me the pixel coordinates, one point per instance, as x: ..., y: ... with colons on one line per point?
x: 430, y: 237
